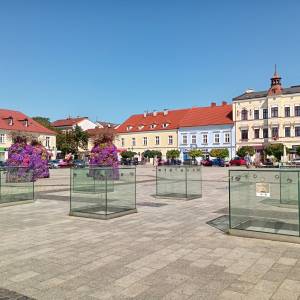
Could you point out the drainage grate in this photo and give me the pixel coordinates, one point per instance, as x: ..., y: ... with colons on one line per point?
x: 151, y: 204
x: 221, y: 223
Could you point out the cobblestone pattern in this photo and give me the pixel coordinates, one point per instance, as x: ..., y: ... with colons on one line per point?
x: 162, y: 252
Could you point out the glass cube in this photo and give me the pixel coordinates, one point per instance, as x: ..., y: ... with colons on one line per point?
x: 16, y: 185
x: 264, y: 201
x: 181, y: 182
x: 102, y: 193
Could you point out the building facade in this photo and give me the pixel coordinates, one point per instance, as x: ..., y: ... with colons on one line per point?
x: 14, y: 123
x: 70, y: 123
x: 150, y: 131
x: 207, y: 128
x: 268, y: 117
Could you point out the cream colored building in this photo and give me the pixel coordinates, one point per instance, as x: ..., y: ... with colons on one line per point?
x: 14, y: 123
x: 150, y: 131
x: 271, y: 116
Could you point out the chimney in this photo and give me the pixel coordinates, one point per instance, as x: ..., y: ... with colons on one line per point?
x: 224, y: 103
x: 154, y: 113
x: 145, y: 114
x: 166, y: 111
x: 213, y: 104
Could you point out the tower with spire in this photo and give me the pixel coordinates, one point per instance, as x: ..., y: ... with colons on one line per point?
x: 276, y: 87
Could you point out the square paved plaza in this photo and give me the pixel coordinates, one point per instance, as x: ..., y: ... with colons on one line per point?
x: 165, y: 251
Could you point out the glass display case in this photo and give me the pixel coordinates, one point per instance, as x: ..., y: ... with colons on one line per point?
x: 264, y: 203
x: 16, y: 186
x: 102, y: 192
x: 178, y: 182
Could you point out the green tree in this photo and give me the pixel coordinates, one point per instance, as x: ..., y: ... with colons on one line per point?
x: 244, y: 150
x: 173, y: 154
x: 220, y: 153
x: 275, y: 149
x: 152, y: 154
x: 128, y: 154
x: 44, y: 121
x: 195, y: 153
x: 298, y: 150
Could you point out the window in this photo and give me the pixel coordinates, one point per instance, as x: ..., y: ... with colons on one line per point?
x: 274, y: 112
x: 165, y: 125
x: 2, y: 138
x: 122, y: 142
x: 145, y: 141
x: 265, y: 133
x: 256, y: 133
x: 204, y: 138
x: 194, y: 139
x: 287, y: 131
x: 157, y: 140
x: 297, y: 130
x: 274, y: 132
x: 256, y: 114
x: 133, y: 143
x: 184, y: 139
x: 152, y: 126
x: 170, y: 139
x: 217, y: 138
x: 10, y: 121
x: 287, y: 112
x: 265, y: 113
x: 47, y: 143
x: 227, y: 138
x: 244, y: 134
x: 141, y: 127
x: 297, y: 111
x: 244, y: 115
x: 129, y: 128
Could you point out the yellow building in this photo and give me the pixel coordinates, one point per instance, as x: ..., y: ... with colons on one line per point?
x: 150, y: 131
x: 14, y: 123
x: 268, y: 117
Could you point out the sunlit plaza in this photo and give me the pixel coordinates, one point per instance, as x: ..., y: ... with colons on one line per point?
x: 172, y: 248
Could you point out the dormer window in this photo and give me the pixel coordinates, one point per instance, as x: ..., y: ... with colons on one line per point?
x: 165, y: 125
x: 141, y: 127
x: 10, y: 121
x: 129, y: 128
x: 152, y: 126
x: 26, y: 124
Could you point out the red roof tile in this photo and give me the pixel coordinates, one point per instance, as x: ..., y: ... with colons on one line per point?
x: 172, y: 118
x: 211, y: 115
x: 18, y: 122
x: 67, y: 122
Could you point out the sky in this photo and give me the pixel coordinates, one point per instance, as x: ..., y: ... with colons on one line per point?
x: 110, y: 59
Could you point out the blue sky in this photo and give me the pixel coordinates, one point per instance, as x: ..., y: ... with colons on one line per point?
x: 110, y: 59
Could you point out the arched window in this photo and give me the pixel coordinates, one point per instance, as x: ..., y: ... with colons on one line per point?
x: 244, y: 115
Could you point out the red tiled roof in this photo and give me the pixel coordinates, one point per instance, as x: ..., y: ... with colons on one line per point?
x: 211, y: 115
x: 67, y: 122
x: 172, y: 118
x: 98, y: 130
x: 18, y: 122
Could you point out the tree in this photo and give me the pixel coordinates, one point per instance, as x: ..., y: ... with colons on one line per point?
x: 195, y: 153
x: 152, y: 154
x: 275, y: 149
x: 298, y: 150
x: 173, y: 154
x: 128, y: 154
x: 220, y: 153
x: 44, y: 121
x: 244, y: 150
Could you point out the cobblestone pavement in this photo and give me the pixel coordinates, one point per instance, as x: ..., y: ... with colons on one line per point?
x: 162, y: 252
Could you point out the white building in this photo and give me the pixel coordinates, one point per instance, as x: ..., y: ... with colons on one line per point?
x: 70, y: 123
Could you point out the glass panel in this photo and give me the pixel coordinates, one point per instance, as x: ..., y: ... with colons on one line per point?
x: 102, y: 191
x: 122, y: 196
x: 194, y: 183
x: 264, y: 201
x: 171, y: 181
x: 16, y: 184
x: 178, y: 181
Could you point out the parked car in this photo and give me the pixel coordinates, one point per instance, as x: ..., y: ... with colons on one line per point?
x: 295, y: 162
x: 2, y: 164
x: 238, y: 161
x: 206, y: 162
x: 53, y: 164
x: 218, y: 162
x: 65, y: 164
x: 79, y: 163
